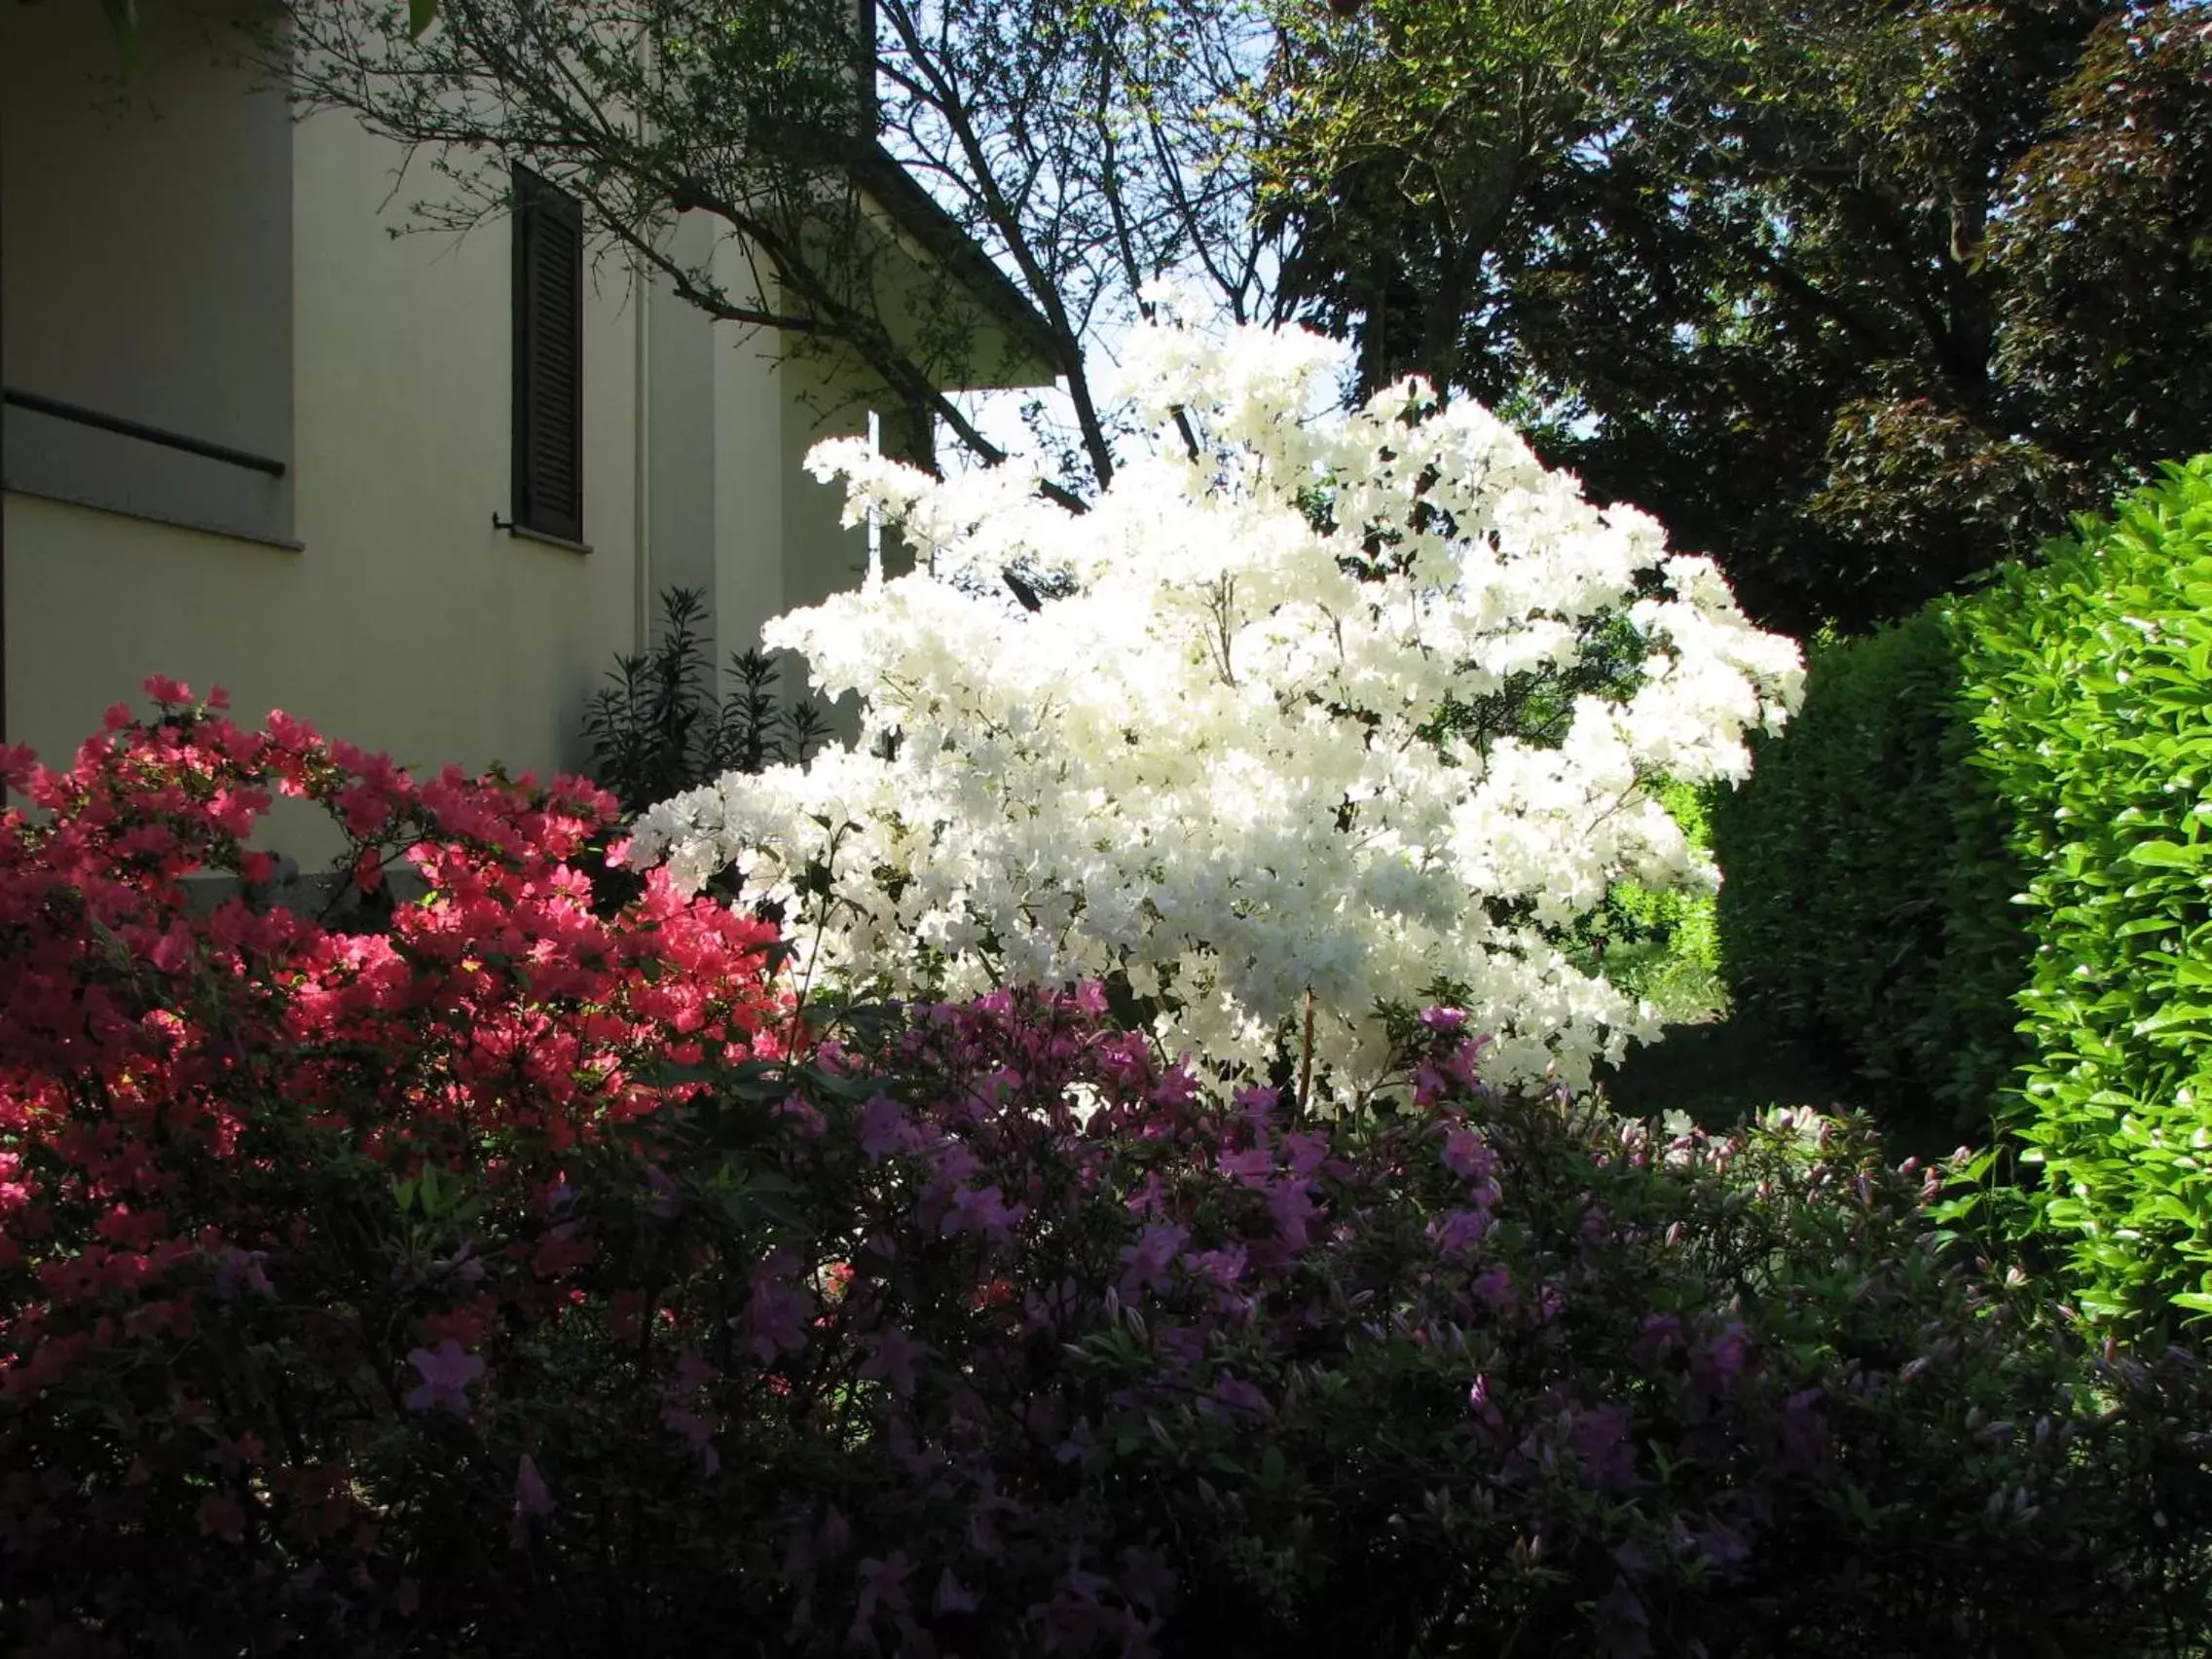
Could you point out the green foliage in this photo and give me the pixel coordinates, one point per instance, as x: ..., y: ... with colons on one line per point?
x: 2109, y: 243
x: 1997, y: 808
x: 1663, y: 945
x: 2092, y: 679
x: 658, y: 729
x: 1865, y: 908
x: 1401, y: 135
x: 1860, y: 298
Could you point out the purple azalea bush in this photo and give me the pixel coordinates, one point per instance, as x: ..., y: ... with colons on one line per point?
x: 981, y: 1331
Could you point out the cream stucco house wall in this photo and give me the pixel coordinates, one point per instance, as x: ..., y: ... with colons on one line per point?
x: 189, y: 263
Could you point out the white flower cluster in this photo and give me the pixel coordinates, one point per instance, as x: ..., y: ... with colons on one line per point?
x: 1267, y: 748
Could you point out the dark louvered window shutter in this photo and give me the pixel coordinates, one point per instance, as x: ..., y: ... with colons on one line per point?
x: 550, y: 366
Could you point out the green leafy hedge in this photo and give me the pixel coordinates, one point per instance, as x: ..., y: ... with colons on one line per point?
x: 1661, y: 944
x: 1865, y: 909
x: 1977, y: 869
x: 2092, y: 676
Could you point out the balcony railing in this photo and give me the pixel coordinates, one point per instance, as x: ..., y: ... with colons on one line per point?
x: 123, y: 427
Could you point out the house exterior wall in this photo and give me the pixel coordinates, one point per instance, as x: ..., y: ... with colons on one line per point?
x: 394, y: 613
x: 145, y: 265
x: 754, y: 482
x: 682, y: 436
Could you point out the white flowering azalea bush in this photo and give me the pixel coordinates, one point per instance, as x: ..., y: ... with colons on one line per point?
x: 1337, y: 711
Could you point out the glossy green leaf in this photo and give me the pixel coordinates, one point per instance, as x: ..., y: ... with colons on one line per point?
x: 2166, y: 854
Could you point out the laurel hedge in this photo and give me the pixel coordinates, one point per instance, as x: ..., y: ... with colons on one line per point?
x: 1978, y: 869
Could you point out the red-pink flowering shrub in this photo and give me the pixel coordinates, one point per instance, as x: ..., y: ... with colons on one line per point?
x: 225, y: 1136
x: 408, y: 1293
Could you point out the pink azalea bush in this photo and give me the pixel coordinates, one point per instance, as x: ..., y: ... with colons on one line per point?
x: 229, y: 1135
x: 524, y: 1279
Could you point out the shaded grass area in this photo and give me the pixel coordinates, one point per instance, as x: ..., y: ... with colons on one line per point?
x: 1727, y: 1067
x: 1721, y: 1071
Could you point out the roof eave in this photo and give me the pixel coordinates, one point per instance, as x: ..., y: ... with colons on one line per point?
x: 918, y: 215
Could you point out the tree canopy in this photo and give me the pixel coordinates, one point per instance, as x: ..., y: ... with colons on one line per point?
x: 1860, y: 298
